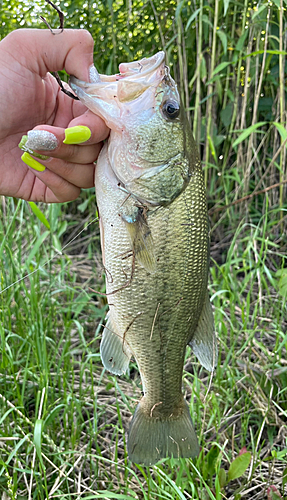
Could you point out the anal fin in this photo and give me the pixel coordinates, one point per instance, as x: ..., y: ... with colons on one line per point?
x: 114, y: 351
x: 203, y: 342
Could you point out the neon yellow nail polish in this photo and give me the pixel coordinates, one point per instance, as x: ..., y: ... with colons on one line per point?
x: 77, y: 135
x: 32, y: 163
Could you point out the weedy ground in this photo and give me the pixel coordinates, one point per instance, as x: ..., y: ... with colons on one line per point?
x: 63, y: 419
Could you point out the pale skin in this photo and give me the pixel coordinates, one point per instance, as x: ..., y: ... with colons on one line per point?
x: 31, y: 99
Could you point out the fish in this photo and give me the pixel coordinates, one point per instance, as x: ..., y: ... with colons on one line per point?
x: 154, y: 228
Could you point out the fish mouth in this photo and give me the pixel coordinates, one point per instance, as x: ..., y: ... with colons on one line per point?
x: 132, y: 80
x: 134, y: 88
x: 134, y: 70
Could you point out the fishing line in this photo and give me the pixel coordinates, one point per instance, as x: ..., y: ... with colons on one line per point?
x: 58, y: 252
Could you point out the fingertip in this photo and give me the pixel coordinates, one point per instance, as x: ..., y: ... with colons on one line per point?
x: 81, y: 55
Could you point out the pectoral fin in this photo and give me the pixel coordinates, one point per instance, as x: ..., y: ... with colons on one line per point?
x: 115, y: 352
x: 203, y: 342
x: 142, y: 241
x: 141, y: 238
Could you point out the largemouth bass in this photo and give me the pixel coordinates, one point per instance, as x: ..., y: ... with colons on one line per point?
x: 155, y: 246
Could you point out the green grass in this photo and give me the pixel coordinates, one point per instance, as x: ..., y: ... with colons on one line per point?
x: 63, y: 419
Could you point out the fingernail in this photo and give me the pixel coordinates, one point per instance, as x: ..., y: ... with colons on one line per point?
x: 22, y: 145
x: 32, y: 163
x: 77, y: 135
x: 41, y: 139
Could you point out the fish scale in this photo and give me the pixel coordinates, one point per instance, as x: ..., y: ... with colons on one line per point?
x: 155, y: 243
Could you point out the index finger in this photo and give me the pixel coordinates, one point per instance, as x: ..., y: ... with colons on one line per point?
x: 41, y: 51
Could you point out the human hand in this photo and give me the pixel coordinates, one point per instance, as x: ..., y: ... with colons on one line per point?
x: 31, y: 98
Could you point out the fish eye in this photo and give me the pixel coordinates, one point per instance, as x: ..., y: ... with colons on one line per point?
x: 171, y: 109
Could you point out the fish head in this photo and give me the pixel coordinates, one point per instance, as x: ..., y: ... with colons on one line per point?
x: 149, y: 131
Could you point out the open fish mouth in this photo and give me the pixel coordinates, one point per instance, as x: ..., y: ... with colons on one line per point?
x: 143, y: 68
x: 130, y: 83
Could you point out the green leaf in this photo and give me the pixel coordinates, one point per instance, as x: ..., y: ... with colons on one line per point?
x: 211, y: 458
x: 170, y: 483
x: 279, y: 454
x: 55, y: 214
x: 203, y: 71
x: 38, y: 439
x: 273, y: 52
x: 212, y: 148
x: 209, y: 462
x: 37, y: 246
x: 52, y: 415
x: 226, y: 4
x: 261, y: 8
x: 178, y: 10
x: 281, y: 273
x: 56, y: 243
x: 109, y: 494
x: 207, y: 21
x: 240, y: 43
x: 282, y: 130
x: 226, y: 114
x: 192, y: 17
x: 82, y: 207
x: 220, y: 67
x: 247, y: 132
x: 238, y: 466
x: 36, y: 210
x: 13, y: 453
x: 222, y: 478
x: 282, y: 284
x: 223, y: 39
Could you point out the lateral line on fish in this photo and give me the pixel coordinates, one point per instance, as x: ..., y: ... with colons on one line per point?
x: 153, y: 323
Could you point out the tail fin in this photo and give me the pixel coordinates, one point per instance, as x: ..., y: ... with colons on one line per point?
x: 153, y: 438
